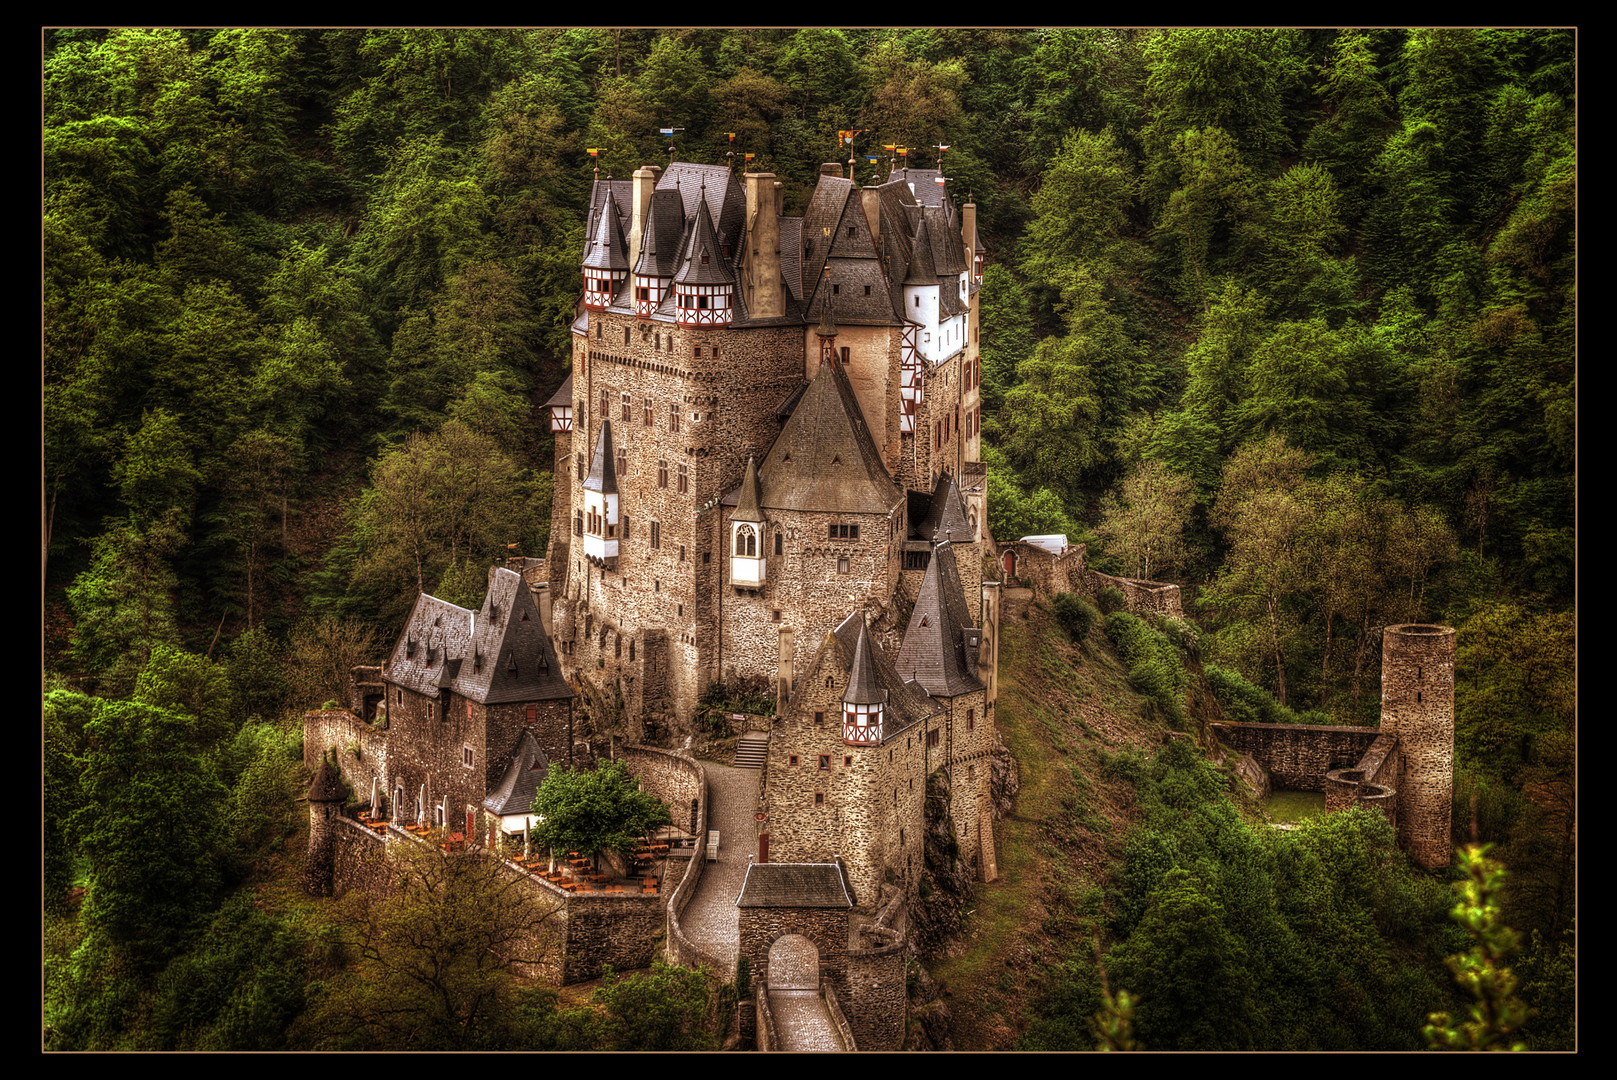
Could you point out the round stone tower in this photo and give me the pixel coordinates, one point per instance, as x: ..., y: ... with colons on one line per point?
x: 325, y: 803
x: 1417, y: 704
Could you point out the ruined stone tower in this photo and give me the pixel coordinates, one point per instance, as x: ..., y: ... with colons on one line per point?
x: 1417, y: 704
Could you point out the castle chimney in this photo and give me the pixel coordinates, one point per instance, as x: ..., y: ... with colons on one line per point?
x: 765, y: 297
x: 645, y: 182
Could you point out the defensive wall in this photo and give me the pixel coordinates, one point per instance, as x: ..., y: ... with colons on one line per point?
x: 1049, y: 572
x: 1403, y: 769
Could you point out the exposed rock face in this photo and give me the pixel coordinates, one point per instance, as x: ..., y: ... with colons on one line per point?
x: 1003, y: 783
x: 1252, y: 776
x: 946, y: 880
x: 930, y: 1013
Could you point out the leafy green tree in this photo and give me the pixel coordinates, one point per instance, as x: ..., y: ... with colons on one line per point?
x: 439, y: 957
x: 321, y: 655
x: 1496, y: 1013
x: 594, y: 809
x: 152, y: 827
x: 1210, y: 209
x: 1143, y: 525
x: 123, y: 603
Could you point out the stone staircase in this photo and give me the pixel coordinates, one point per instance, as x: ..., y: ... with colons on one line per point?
x: 752, y: 751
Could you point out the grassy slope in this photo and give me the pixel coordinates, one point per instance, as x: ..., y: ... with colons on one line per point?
x: 1060, y: 705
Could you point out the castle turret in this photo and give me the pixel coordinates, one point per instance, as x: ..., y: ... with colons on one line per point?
x: 863, y: 700
x: 747, y: 555
x: 606, y: 254
x: 325, y: 803
x: 658, y: 251
x: 704, y: 288
x: 1417, y: 704
x: 601, y: 503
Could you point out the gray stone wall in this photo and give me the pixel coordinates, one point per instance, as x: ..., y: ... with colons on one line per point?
x: 1299, y: 755
x: 326, y: 730
x: 617, y: 930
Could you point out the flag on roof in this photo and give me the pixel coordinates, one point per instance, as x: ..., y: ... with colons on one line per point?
x: 594, y: 151
x: 889, y: 146
x: 732, y: 135
x: 871, y: 158
x: 903, y: 151
x: 749, y: 157
x: 669, y: 131
x: 938, y: 180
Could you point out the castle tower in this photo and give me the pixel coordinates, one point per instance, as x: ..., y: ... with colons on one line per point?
x: 601, y: 503
x: 1417, y: 704
x: 325, y: 801
x: 606, y: 257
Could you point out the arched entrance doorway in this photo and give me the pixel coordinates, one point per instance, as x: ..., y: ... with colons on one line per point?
x: 1010, y: 565
x: 794, y: 964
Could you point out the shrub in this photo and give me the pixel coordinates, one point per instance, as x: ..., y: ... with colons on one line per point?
x: 1111, y: 599
x: 1076, y: 615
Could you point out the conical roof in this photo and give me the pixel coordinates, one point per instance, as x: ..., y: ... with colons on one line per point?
x: 863, y: 688
x: 703, y: 263
x: 659, y: 237
x: 327, y: 786
x: 946, y: 517
x: 603, y: 475
x: 523, y: 775
x: 747, y: 508
x: 607, y: 248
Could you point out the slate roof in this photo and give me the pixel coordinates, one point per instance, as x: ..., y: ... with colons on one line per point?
x: 946, y: 516
x: 603, y: 475
x: 495, y: 655
x: 527, y: 770
x: 786, y: 885
x: 747, y: 502
x: 327, y: 785
x: 905, y: 701
x: 825, y: 459
x: 563, y: 396
x: 660, y: 234
x: 864, y: 688
x: 604, y: 245
x: 928, y: 192
x: 703, y: 261
x: 935, y: 652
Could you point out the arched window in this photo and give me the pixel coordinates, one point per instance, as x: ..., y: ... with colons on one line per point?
x: 746, y: 542
x: 778, y: 541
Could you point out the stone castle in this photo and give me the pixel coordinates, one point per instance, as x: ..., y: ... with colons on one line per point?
x: 768, y: 475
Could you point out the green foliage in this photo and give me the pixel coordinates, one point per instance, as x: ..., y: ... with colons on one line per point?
x: 1244, y: 703
x: 238, y: 989
x: 1496, y: 1013
x: 152, y: 827
x: 1076, y: 615
x: 438, y: 957
x: 1154, y: 664
x: 595, y: 809
x: 668, y: 1008
x: 1111, y: 600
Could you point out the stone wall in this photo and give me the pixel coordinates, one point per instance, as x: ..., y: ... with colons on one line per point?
x: 1299, y: 755
x: 622, y: 931
x: 877, y: 991
x: 827, y: 928
x: 325, y: 730
x: 1144, y: 597
x: 866, y: 803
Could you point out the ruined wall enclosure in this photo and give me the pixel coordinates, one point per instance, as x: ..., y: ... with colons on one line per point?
x: 325, y: 730
x: 1299, y: 755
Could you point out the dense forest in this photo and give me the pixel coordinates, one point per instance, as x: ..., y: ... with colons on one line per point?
x: 1287, y: 317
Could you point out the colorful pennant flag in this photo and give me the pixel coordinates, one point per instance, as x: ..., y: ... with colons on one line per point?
x: 594, y: 151
x: 732, y: 135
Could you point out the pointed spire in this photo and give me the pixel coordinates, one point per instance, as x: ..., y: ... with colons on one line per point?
x: 862, y: 685
x: 703, y: 264
x: 609, y: 251
x: 747, y: 508
x: 828, y: 322
x: 603, y: 475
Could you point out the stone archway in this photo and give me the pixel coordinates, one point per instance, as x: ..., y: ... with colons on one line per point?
x: 794, y: 963
x: 1010, y: 565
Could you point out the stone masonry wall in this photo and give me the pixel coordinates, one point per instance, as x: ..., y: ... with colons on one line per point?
x: 872, y: 811
x: 338, y: 729
x: 1299, y: 755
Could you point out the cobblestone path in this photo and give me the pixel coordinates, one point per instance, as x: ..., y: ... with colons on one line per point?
x: 802, y: 1021
x: 711, y: 919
